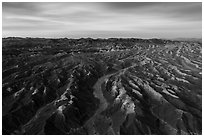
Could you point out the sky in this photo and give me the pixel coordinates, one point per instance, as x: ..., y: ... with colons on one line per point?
x: 102, y: 20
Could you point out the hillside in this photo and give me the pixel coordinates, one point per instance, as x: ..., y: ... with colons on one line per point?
x: 101, y: 86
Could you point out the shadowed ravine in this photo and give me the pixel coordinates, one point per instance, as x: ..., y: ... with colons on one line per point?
x: 98, y: 93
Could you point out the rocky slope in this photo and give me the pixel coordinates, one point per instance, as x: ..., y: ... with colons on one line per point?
x: 101, y: 86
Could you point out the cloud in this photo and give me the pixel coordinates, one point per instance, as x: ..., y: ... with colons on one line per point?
x: 175, y: 10
x: 102, y: 19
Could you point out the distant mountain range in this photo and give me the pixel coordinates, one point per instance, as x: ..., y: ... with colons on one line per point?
x: 189, y: 39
